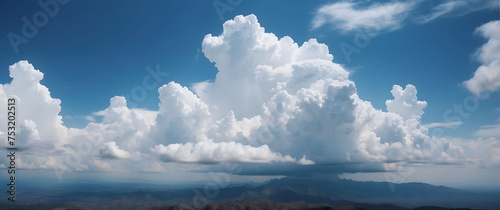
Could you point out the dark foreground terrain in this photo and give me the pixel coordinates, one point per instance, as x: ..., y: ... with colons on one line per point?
x: 251, y: 205
x: 265, y: 204
x: 285, y: 193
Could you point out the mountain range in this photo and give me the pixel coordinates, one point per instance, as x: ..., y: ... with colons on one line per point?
x: 283, y: 193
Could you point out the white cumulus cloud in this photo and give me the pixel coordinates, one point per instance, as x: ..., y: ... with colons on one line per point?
x: 487, y: 76
x: 33, y: 98
x: 111, y: 151
x: 405, y: 102
x: 273, y: 102
x: 306, y: 105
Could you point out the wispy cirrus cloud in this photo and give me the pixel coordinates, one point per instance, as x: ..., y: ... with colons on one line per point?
x: 349, y: 16
x: 444, y: 124
x: 456, y: 8
x: 489, y: 131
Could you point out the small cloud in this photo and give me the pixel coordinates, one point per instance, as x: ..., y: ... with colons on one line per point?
x: 82, y: 167
x: 305, y: 161
x: 101, y: 165
x: 488, y: 131
x: 443, y: 124
x: 111, y: 151
x: 25, y: 165
x: 197, y: 53
x: 100, y: 113
x: 90, y: 118
x: 349, y: 16
x: 155, y: 167
x: 405, y: 102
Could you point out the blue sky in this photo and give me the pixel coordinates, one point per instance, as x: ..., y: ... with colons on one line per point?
x: 112, y: 44
x: 92, y: 51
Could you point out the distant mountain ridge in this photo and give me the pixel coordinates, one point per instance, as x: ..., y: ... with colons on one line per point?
x: 332, y: 192
x: 338, y: 192
x: 259, y: 204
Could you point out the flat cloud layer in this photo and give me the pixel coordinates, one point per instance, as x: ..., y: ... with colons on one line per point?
x: 273, y: 103
x: 210, y: 152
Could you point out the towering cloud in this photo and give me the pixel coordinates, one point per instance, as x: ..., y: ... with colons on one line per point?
x: 272, y: 103
x: 33, y: 97
x: 304, y: 105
